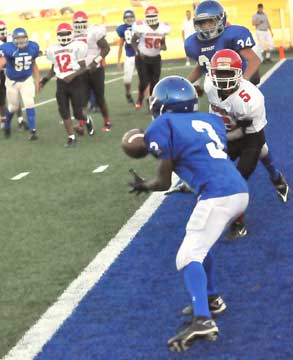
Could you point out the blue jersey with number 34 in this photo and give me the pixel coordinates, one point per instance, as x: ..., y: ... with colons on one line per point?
x: 19, y: 61
x: 234, y: 37
x: 196, y: 143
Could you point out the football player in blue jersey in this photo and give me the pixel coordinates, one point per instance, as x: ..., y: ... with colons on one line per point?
x: 212, y: 35
x: 192, y: 144
x: 22, y: 77
x: 125, y: 34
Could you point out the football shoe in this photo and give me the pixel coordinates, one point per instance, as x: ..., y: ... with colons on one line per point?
x: 282, y: 188
x: 216, y: 305
x: 199, y: 329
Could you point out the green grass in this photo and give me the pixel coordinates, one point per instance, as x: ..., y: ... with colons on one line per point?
x: 55, y: 220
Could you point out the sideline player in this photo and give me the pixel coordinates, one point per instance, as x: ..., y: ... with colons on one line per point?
x: 242, y: 107
x: 125, y: 33
x: 22, y: 124
x: 22, y: 78
x: 98, y: 49
x: 148, y: 40
x: 68, y: 64
x: 192, y: 145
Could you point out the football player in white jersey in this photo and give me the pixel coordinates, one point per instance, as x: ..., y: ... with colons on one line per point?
x: 148, y: 40
x: 98, y: 49
x: 242, y: 106
x: 68, y: 64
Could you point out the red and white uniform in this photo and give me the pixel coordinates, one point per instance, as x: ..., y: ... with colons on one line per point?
x: 149, y: 39
x: 66, y: 58
x: 93, y: 34
x: 247, y: 102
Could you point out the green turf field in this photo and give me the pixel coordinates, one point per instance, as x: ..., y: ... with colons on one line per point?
x: 55, y: 220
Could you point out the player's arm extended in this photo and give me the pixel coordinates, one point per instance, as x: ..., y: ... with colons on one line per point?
x: 3, y: 62
x: 47, y: 77
x: 36, y: 74
x: 253, y: 62
x: 195, y: 74
x: 121, y: 43
x: 163, y: 180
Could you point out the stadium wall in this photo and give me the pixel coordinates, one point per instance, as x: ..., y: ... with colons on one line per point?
x: 42, y: 28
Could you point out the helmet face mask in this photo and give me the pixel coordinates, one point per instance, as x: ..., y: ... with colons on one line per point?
x: 173, y: 94
x: 225, y: 70
x: 152, y: 16
x: 20, y: 38
x: 226, y: 79
x: 64, y: 34
x: 80, y: 22
x: 209, y: 20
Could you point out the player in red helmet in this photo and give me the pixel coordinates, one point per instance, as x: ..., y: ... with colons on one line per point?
x: 148, y: 41
x: 98, y: 49
x: 242, y: 107
x: 68, y: 64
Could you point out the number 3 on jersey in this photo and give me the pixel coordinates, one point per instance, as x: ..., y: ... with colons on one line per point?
x: 215, y: 147
x: 64, y: 63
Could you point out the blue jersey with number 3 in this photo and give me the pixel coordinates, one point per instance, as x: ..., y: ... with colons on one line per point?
x: 233, y: 37
x: 196, y: 143
x: 19, y: 61
x: 125, y: 32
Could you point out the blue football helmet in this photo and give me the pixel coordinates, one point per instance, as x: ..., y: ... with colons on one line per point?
x: 173, y: 94
x: 213, y: 11
x: 20, y: 37
x: 128, y: 17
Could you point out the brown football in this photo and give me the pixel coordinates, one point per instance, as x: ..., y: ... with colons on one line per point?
x: 133, y: 143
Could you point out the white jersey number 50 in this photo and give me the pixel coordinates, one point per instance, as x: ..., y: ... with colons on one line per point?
x: 215, y: 147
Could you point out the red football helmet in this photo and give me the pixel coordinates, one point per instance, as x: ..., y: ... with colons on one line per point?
x: 64, y: 34
x: 225, y: 69
x: 151, y: 15
x: 80, y: 22
x: 3, y: 29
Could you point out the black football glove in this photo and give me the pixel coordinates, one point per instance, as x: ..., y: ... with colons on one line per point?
x: 137, y: 185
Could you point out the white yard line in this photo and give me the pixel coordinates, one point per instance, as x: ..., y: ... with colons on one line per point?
x: 20, y: 176
x: 39, y: 334
x: 100, y: 169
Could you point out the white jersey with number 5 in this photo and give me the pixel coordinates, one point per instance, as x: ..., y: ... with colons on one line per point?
x: 247, y: 102
x: 66, y: 58
x: 149, y: 39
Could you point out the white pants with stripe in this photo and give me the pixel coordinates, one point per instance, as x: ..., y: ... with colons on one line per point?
x: 206, y: 224
x: 15, y: 91
x: 129, y: 66
x: 265, y: 40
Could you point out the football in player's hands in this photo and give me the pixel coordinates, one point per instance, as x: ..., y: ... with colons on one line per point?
x: 133, y: 143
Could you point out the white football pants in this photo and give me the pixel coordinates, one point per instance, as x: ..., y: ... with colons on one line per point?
x: 206, y: 224
x: 16, y: 90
